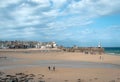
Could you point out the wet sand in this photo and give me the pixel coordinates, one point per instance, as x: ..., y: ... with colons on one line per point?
x: 70, y: 67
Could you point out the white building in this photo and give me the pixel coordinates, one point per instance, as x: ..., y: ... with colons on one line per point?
x: 54, y: 45
x: 99, y: 45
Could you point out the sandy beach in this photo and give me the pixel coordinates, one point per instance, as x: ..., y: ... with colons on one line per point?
x: 70, y: 67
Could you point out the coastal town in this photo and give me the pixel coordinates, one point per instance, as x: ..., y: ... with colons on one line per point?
x: 49, y: 46
x: 26, y: 44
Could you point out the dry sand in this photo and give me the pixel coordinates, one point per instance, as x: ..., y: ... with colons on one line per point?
x: 62, y: 74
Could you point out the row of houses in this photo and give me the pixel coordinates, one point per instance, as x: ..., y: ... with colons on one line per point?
x: 26, y: 44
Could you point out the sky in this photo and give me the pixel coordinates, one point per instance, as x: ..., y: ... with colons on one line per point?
x: 67, y: 22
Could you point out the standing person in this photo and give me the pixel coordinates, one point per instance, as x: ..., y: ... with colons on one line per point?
x: 49, y: 67
x: 53, y: 68
x: 100, y: 57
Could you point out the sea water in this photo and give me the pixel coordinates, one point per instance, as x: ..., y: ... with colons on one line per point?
x: 112, y: 50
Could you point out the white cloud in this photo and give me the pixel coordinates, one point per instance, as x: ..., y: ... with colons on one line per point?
x: 28, y: 32
x: 41, y: 3
x: 6, y: 3
x: 58, y: 3
x: 52, y: 13
x: 95, y: 7
x: 26, y: 15
x: 52, y: 17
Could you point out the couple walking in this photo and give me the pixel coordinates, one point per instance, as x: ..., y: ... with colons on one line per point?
x: 50, y: 68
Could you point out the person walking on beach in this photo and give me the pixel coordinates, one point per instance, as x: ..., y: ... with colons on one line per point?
x: 53, y: 68
x: 49, y: 67
x: 100, y: 57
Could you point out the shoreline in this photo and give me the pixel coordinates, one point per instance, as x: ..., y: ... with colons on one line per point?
x: 58, y: 55
x: 116, y: 54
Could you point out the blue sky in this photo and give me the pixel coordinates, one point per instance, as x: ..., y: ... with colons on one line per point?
x: 68, y: 22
